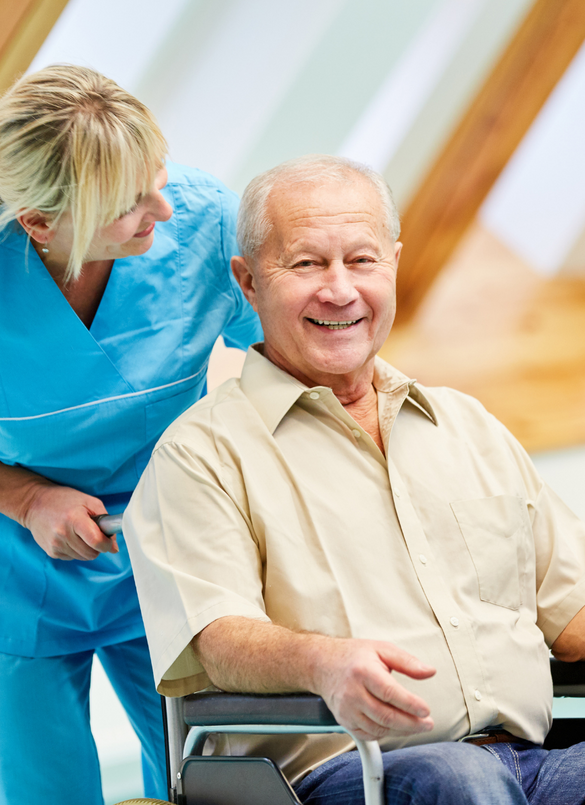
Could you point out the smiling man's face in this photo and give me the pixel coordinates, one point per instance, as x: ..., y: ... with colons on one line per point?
x: 324, y: 282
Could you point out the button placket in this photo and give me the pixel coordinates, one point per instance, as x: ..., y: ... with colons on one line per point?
x: 458, y: 635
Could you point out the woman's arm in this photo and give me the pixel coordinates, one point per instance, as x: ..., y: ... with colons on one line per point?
x: 58, y: 517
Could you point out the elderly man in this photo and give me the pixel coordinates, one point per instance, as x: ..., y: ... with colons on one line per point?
x: 327, y: 524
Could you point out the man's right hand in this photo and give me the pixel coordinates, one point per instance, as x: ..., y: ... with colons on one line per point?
x: 355, y: 679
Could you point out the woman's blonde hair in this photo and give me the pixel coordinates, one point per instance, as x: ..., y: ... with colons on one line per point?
x: 73, y: 140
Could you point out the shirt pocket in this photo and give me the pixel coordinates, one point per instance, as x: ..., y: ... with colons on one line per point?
x: 493, y: 530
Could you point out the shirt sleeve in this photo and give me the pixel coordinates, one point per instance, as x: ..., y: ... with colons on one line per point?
x: 559, y: 549
x: 243, y: 328
x: 195, y: 560
x: 559, y: 538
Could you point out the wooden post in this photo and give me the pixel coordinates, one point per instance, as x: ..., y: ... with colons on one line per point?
x: 24, y: 28
x: 453, y: 190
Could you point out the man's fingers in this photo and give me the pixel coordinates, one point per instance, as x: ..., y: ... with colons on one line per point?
x: 372, y: 719
x: 394, y: 721
x: 399, y: 660
x: 386, y: 689
x: 374, y: 732
x: 390, y: 717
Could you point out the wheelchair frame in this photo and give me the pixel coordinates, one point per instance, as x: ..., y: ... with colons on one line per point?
x: 189, y: 721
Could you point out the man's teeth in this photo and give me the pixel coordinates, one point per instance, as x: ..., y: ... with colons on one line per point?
x: 335, y: 325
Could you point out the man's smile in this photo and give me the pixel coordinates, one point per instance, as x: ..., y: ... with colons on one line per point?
x: 333, y: 325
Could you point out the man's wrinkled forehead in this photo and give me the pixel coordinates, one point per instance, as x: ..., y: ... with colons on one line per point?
x: 305, y: 204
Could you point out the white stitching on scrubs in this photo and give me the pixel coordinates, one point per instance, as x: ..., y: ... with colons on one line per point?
x: 104, y: 400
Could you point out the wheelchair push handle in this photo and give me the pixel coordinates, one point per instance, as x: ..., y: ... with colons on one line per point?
x: 110, y: 524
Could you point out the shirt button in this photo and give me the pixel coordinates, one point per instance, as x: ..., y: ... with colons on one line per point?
x: 397, y: 493
x: 477, y: 695
x: 454, y: 621
x: 357, y: 433
x: 422, y: 558
x: 314, y: 395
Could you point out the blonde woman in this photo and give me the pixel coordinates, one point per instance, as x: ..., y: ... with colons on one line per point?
x: 114, y: 286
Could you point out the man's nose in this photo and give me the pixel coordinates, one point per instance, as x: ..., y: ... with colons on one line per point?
x: 338, y: 286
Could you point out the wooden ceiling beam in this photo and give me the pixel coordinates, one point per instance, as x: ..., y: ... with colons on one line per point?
x: 25, y: 26
x: 485, y: 139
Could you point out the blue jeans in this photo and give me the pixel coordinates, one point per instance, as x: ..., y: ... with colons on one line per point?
x: 47, y: 752
x: 457, y: 774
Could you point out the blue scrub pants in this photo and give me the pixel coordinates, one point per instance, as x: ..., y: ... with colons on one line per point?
x: 47, y: 751
x: 513, y: 773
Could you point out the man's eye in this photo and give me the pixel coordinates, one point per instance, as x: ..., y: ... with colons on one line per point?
x: 304, y: 264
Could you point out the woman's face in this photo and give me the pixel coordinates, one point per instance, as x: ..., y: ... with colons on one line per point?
x: 130, y: 235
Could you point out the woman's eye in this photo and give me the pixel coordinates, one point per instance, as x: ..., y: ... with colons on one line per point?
x: 131, y: 210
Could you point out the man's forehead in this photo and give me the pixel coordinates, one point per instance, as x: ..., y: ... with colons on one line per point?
x: 324, y: 202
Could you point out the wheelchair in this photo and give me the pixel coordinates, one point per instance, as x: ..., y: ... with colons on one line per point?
x: 197, y: 779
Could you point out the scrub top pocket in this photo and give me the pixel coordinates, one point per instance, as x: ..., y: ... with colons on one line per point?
x: 161, y: 412
x: 493, y: 530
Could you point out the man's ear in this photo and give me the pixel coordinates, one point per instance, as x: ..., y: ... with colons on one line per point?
x: 397, y: 252
x: 245, y: 279
x: 37, y: 226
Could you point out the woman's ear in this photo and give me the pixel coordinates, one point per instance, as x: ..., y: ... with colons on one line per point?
x: 245, y: 279
x: 36, y: 225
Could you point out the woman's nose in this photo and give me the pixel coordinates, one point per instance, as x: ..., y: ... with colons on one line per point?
x: 162, y: 209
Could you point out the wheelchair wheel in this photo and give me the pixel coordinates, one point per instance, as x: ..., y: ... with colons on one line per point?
x: 143, y: 801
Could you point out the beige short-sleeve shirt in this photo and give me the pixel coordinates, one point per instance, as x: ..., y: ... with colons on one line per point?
x: 267, y: 500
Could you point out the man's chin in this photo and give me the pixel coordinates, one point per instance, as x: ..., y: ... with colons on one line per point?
x: 340, y: 364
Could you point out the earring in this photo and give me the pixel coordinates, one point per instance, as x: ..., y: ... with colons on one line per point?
x: 44, y: 249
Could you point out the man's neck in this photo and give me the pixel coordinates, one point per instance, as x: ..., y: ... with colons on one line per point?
x: 355, y: 391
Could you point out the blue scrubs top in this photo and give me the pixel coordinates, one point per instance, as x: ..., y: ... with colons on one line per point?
x: 85, y: 407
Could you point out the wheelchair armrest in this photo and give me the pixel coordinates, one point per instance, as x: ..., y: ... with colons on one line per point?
x: 212, y: 711
x: 211, y: 707
x: 568, y: 678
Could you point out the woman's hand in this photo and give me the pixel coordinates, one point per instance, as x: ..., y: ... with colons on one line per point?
x: 59, y: 519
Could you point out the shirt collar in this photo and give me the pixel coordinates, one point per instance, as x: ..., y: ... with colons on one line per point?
x: 273, y: 391
x: 390, y: 380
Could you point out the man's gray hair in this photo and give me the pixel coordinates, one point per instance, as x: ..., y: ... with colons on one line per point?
x: 254, y: 223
